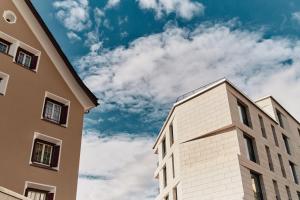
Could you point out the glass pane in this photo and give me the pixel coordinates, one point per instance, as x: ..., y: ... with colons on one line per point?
x: 56, y: 112
x: 27, y: 60
x: 47, y: 154
x: 38, y: 150
x: 20, y: 58
x: 48, y: 110
x: 3, y: 48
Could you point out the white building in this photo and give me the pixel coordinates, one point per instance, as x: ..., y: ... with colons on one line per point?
x: 217, y: 144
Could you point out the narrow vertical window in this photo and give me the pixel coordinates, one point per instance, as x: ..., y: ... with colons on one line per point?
x: 165, y: 176
x: 175, y: 195
x: 256, y: 186
x: 274, y: 136
x: 288, y: 192
x: 171, y: 132
x: 250, y: 148
x: 276, y: 190
x: 286, y: 144
x: 244, y: 114
x: 271, y: 167
x: 293, y: 172
x: 298, y: 194
x: 262, y: 126
x: 299, y: 131
x: 163, y: 147
x: 173, y: 166
x: 281, y: 166
x: 280, y: 118
x: 166, y: 197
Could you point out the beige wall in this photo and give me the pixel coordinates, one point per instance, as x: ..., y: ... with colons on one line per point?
x: 21, y: 110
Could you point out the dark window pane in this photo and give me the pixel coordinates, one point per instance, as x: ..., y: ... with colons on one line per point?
x: 165, y: 176
x: 274, y: 135
x: 171, y: 134
x: 293, y: 172
x: 281, y: 165
x: 286, y: 143
x: 262, y: 126
x: 269, y: 158
x: 244, y: 114
x: 249, y: 148
x: 280, y: 118
x: 276, y: 190
x: 163, y: 143
x: 256, y: 186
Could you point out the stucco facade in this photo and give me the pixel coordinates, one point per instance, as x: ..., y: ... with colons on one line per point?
x: 24, y: 102
x: 209, y: 158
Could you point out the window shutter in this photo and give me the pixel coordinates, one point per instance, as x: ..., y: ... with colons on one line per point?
x: 33, y: 159
x: 55, y: 156
x: 64, y: 115
x: 33, y: 62
x: 50, y: 196
x: 17, y: 54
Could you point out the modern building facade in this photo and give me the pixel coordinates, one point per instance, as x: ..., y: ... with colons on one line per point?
x: 42, y: 104
x: 217, y: 144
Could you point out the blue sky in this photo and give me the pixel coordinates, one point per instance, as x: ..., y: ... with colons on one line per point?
x: 138, y: 56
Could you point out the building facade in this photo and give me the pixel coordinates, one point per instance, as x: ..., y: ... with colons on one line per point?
x: 42, y: 104
x: 217, y: 144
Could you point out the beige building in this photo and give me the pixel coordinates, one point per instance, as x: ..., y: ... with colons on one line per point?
x: 217, y: 144
x: 42, y: 104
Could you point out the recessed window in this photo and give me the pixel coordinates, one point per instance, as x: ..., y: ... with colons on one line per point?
x: 3, y: 82
x: 175, y: 193
x: 26, y: 59
x: 163, y: 147
x: 257, y: 186
x: 171, y: 132
x: 280, y: 118
x: 274, y: 135
x: 173, y: 165
x: 262, y: 126
x: 281, y: 166
x: 288, y: 192
x: 244, y: 114
x: 165, y: 176
x: 298, y: 195
x: 56, y: 109
x: 4, y: 46
x: 36, y: 191
x: 293, y: 172
x: 250, y: 148
x: 286, y: 144
x: 271, y: 167
x: 166, y: 197
x: 276, y: 190
x: 10, y: 17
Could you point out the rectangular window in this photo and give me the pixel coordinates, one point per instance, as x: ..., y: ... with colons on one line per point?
x: 250, y: 148
x: 173, y: 166
x: 175, y: 195
x: 256, y: 186
x: 4, y: 46
x: 171, y: 134
x: 286, y: 143
x: 298, y: 194
x: 55, y: 111
x: 3, y: 83
x: 36, y: 194
x: 281, y: 166
x: 274, y: 135
x: 26, y: 59
x: 294, y: 172
x: 244, y: 114
x: 271, y: 167
x: 163, y: 147
x: 276, y: 190
x: 45, y: 153
x: 280, y: 118
x: 165, y: 176
x: 288, y: 192
x: 262, y: 126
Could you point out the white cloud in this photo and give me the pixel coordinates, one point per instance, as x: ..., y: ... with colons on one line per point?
x: 73, y: 36
x: 112, y: 3
x: 74, y: 14
x: 154, y: 70
x: 296, y: 16
x: 117, y: 167
x: 186, y: 9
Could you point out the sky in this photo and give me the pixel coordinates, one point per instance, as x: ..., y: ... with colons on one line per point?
x: 138, y: 56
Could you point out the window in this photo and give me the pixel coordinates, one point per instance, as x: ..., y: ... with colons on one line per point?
x: 256, y: 186
x: 244, y: 114
x: 45, y: 153
x: 175, y: 195
x: 288, y: 192
x: 280, y: 118
x: 274, y: 135
x: 166, y: 197
x: 299, y: 131
x: 4, y: 46
x: 165, y: 176
x: 173, y: 166
x: 262, y: 126
x: 293, y: 172
x: 3, y: 82
x: 26, y: 59
x: 281, y: 166
x: 171, y: 134
x: 36, y: 194
x: 250, y: 148
x: 298, y: 194
x: 275, y: 185
x: 55, y: 111
x: 163, y: 147
x: 271, y: 167
x: 286, y: 143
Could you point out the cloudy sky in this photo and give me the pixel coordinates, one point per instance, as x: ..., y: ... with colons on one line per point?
x: 138, y: 56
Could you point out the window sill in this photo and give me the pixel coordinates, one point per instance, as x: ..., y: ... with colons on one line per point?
x: 52, y: 122
x: 43, y: 166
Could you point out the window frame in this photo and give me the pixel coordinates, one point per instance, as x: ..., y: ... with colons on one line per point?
x: 4, y: 78
x: 165, y: 178
x: 288, y: 192
x: 276, y: 190
x: 46, y: 193
x: 163, y: 147
x: 244, y: 113
x: 5, y: 43
x: 282, y: 168
x: 286, y: 143
x: 293, y: 171
x: 269, y: 157
x: 262, y: 126
x: 171, y: 134
x: 44, y: 143
x: 274, y: 135
x: 257, y: 177
x: 249, y: 142
x: 280, y: 118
